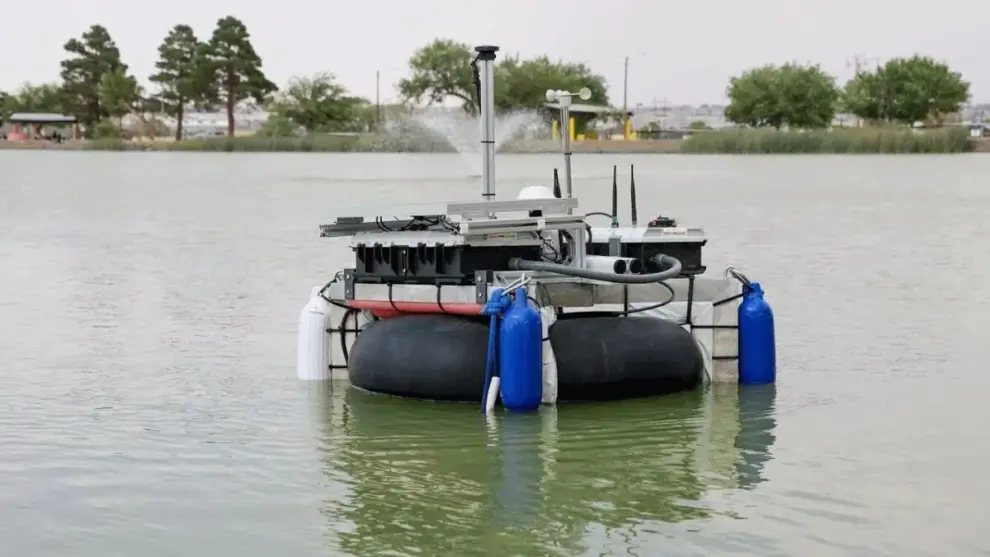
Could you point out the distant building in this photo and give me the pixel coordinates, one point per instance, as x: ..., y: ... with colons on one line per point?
x: 21, y: 126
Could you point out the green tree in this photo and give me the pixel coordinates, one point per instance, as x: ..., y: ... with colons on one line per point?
x: 320, y: 103
x: 46, y: 97
x: 119, y: 94
x: 523, y: 84
x: 232, y: 68
x: 92, y: 56
x: 789, y: 95
x: 277, y: 125
x: 440, y: 70
x: 179, y: 78
x: 906, y: 90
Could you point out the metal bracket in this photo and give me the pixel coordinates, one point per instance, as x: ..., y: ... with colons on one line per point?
x: 348, y: 284
x: 481, y: 280
x: 476, y: 210
x: 615, y: 246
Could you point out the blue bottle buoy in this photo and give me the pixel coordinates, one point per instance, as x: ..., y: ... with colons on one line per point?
x: 521, y: 356
x: 757, y: 348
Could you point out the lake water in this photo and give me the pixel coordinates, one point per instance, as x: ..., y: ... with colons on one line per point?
x: 149, y: 406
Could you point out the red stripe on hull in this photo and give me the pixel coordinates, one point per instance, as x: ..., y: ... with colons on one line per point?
x: 385, y: 309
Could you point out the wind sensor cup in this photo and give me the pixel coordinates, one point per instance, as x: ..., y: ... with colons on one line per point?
x: 553, y: 96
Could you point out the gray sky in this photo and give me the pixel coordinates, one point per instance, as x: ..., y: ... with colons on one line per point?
x: 684, y: 51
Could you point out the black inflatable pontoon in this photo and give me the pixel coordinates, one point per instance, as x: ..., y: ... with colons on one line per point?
x: 599, y: 357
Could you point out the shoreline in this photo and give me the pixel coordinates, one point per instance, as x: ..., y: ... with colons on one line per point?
x: 355, y: 144
x: 650, y: 146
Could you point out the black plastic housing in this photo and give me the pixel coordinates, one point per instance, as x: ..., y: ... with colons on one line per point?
x: 433, y: 264
x: 689, y: 254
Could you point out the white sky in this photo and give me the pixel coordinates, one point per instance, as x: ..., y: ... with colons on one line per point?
x: 683, y: 52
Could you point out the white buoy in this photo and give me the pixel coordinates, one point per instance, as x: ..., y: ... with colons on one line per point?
x: 548, y: 316
x: 313, y: 363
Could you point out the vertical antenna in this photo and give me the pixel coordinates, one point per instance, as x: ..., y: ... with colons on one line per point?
x: 632, y: 192
x: 615, y: 196
x: 556, y: 184
x: 486, y: 55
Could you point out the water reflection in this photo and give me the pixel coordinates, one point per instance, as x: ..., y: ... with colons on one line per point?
x: 756, y: 433
x: 415, y: 477
x: 521, y: 444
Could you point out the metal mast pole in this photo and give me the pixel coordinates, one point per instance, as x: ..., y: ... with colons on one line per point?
x: 563, y: 100
x: 486, y: 55
x: 565, y: 121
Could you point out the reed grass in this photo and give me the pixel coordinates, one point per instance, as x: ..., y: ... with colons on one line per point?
x: 323, y: 143
x: 726, y: 141
x: 837, y: 140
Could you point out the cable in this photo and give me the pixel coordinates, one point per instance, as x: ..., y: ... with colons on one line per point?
x: 548, y: 244
x: 549, y: 301
x: 329, y: 301
x: 391, y: 301
x: 731, y: 271
x: 657, y: 305
x: 343, y: 332
x: 673, y: 264
x: 341, y: 328
x: 439, y: 303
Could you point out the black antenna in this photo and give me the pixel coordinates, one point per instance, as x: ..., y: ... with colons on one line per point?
x: 556, y: 184
x: 615, y: 196
x: 632, y: 192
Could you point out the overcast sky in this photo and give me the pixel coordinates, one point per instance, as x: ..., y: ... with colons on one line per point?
x: 683, y: 52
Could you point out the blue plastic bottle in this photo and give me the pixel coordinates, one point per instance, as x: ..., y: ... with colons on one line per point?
x: 757, y: 349
x: 521, y: 356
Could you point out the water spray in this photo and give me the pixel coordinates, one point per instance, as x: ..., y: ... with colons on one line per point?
x: 486, y: 55
x: 563, y: 98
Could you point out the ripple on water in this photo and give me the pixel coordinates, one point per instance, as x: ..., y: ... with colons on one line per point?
x: 545, y: 477
x: 148, y: 305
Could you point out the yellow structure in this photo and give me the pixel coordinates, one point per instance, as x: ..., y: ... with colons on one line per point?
x: 555, y: 133
x: 585, y: 113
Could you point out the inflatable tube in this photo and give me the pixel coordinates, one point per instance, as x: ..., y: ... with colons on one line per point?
x: 442, y: 357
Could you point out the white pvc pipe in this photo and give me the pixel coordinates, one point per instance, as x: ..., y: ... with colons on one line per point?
x: 492, y: 394
x: 605, y: 263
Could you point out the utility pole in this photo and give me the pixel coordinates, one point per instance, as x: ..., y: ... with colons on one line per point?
x: 625, y: 88
x: 378, y: 98
x: 625, y: 100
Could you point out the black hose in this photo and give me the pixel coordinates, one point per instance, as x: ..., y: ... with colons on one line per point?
x: 662, y: 260
x: 476, y: 76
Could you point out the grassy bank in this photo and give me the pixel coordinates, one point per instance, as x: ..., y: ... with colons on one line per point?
x: 259, y: 143
x: 848, y: 140
x: 856, y: 140
x: 367, y: 144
